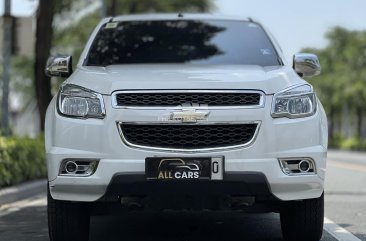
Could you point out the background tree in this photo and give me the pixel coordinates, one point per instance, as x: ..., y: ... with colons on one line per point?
x: 342, y: 84
x: 115, y: 7
x: 44, y: 35
x: 43, y: 45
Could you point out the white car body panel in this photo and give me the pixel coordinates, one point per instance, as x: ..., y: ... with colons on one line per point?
x: 105, y: 80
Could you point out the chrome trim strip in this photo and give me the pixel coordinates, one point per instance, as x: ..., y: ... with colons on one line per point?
x: 261, y: 100
x: 149, y: 148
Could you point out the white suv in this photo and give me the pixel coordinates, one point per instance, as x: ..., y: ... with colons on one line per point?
x: 197, y: 112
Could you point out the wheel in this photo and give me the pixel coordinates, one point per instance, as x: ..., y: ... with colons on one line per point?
x: 303, y: 220
x: 67, y: 220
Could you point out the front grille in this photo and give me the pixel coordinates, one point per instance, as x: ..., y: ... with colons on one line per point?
x: 188, y: 136
x: 176, y: 99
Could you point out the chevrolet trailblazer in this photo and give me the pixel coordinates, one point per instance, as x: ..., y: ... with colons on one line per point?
x: 185, y: 112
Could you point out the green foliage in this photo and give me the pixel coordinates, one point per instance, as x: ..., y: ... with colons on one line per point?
x: 351, y: 144
x: 342, y: 83
x: 71, y: 41
x: 354, y: 144
x: 63, y: 5
x: 340, y: 142
x: 22, y: 78
x: 116, y: 7
x: 21, y: 83
x: 336, y: 141
x: 21, y: 159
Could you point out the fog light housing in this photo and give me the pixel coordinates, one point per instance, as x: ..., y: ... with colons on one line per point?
x: 78, y: 167
x: 297, y: 166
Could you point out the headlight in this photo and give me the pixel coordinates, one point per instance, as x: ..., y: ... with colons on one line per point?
x: 296, y: 102
x: 76, y: 101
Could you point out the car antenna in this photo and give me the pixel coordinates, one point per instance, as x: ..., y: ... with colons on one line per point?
x: 110, y: 19
x: 180, y: 15
x: 250, y: 20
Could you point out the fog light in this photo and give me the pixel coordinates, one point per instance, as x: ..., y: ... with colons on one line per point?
x: 71, y: 167
x: 304, y: 166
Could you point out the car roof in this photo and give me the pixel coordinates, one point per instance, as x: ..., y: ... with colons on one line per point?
x: 177, y: 16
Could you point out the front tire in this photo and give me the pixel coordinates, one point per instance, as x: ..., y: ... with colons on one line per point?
x: 303, y: 220
x: 67, y: 220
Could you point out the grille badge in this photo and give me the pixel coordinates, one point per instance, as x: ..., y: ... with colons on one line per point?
x: 189, y: 114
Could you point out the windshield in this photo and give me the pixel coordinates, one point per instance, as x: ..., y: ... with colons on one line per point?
x: 182, y: 41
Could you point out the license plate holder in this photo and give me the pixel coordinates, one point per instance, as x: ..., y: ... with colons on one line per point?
x: 184, y: 168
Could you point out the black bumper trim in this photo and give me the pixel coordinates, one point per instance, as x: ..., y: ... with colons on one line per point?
x: 253, y: 184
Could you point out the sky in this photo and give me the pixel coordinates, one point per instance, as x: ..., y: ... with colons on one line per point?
x: 20, y: 7
x: 295, y: 24
x: 298, y: 24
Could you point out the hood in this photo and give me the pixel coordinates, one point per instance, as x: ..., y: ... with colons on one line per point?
x: 106, y: 80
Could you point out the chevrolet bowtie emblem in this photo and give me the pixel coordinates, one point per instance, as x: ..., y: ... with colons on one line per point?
x: 189, y: 115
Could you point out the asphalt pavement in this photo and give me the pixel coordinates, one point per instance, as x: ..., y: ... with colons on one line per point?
x: 345, y: 212
x: 345, y: 189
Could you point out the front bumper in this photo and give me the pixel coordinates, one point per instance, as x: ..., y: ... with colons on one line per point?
x: 99, y: 139
x: 280, y: 185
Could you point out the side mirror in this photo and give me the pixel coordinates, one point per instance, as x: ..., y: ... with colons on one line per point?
x: 306, y: 65
x: 59, y: 66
